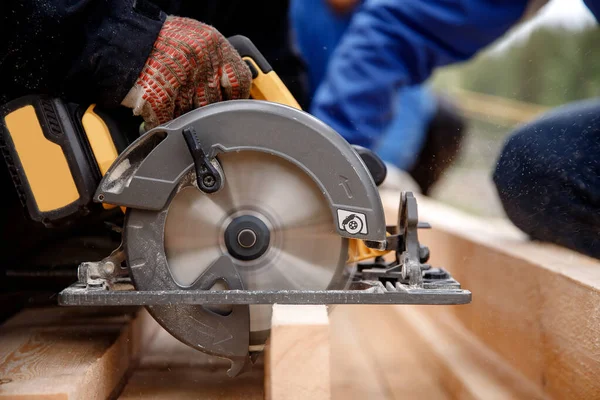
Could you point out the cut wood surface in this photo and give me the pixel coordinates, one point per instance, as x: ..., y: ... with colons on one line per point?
x: 297, y: 358
x: 68, y: 353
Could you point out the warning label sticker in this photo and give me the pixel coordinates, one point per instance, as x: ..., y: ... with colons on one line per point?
x: 352, y: 222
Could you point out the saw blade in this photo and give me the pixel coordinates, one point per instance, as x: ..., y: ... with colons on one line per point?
x: 280, y: 205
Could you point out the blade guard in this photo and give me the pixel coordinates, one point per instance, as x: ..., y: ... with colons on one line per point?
x: 146, y: 174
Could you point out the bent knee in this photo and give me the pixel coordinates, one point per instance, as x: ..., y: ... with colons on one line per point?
x: 547, y: 192
x: 515, y: 167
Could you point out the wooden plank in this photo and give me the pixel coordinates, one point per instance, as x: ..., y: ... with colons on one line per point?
x: 191, y: 383
x: 462, y: 365
x: 355, y: 374
x: 535, y: 306
x: 397, y: 361
x: 169, y: 369
x: 67, y: 353
x: 297, y: 356
x: 172, y: 370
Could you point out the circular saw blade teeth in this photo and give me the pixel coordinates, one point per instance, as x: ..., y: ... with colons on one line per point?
x: 305, y: 252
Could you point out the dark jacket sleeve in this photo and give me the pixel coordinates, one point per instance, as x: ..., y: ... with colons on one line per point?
x: 84, y: 50
x: 265, y: 22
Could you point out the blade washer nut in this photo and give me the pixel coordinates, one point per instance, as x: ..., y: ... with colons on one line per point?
x: 247, y: 238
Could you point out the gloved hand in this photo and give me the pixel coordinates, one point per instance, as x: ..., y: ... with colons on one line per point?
x: 190, y: 66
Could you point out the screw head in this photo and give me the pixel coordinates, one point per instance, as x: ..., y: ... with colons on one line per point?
x: 109, y: 267
x: 423, y: 254
x: 209, y: 181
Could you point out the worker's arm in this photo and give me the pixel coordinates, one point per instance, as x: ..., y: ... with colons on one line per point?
x: 393, y: 43
x: 113, y: 52
x: 85, y: 49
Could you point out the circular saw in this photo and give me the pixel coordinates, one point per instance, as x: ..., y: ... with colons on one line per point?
x: 231, y: 199
x: 229, y: 209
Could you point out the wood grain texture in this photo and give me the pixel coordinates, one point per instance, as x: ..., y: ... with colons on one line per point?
x: 395, y: 358
x: 463, y: 365
x: 355, y: 373
x: 170, y: 369
x: 298, y: 354
x: 192, y: 383
x: 536, y: 306
x: 67, y: 353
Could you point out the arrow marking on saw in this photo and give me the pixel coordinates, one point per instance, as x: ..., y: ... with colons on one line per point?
x: 344, y: 182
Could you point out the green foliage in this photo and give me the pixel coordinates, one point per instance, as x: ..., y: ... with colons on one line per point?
x: 552, y: 67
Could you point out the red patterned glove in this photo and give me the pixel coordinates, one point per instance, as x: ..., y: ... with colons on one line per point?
x: 190, y: 66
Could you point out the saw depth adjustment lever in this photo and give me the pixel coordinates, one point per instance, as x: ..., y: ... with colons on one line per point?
x: 209, y: 175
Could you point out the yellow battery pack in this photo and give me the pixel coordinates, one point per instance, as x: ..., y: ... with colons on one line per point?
x: 49, y: 157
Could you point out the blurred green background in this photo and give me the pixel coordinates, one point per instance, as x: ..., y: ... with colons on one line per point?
x: 538, y: 65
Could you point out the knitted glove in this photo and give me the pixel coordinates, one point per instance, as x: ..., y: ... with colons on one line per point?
x: 191, y: 65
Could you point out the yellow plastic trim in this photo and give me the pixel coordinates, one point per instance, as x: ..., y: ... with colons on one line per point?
x: 358, y: 251
x: 43, y: 161
x: 100, y: 140
x: 269, y: 87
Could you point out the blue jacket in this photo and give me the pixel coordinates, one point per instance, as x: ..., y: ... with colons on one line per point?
x: 317, y: 30
x: 395, y: 43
